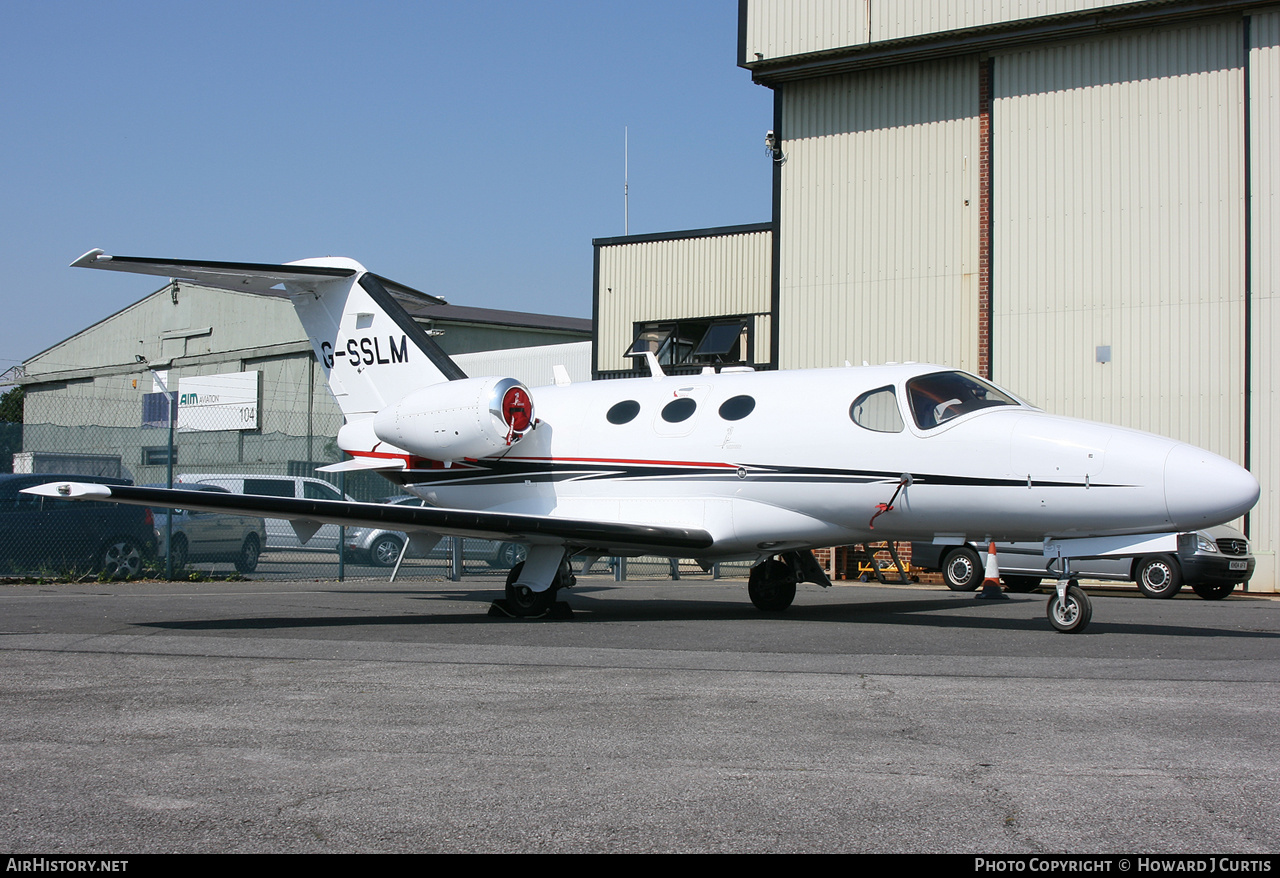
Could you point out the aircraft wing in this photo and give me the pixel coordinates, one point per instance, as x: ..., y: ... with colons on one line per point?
x: 456, y: 522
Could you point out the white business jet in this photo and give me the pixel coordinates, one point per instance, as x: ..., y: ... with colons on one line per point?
x: 762, y: 466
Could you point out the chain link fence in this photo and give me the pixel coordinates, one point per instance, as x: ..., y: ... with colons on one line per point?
x: 96, y: 438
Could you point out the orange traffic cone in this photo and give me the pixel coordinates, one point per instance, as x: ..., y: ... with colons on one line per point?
x: 991, y: 589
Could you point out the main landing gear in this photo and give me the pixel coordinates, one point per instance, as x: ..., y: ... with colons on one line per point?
x: 772, y: 585
x: 532, y: 584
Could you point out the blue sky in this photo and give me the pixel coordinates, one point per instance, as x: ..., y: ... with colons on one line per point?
x: 472, y: 150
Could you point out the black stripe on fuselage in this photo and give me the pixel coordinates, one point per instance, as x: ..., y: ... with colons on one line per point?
x: 518, y: 472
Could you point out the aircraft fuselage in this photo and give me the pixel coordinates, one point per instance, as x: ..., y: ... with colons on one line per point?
x: 797, y: 470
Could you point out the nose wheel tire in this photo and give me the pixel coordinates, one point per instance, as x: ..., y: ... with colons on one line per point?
x: 1072, y: 614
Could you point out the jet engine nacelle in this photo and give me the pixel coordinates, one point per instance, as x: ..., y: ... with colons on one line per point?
x: 469, y: 417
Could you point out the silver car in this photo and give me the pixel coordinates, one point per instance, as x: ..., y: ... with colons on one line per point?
x: 381, y: 548
x: 210, y: 536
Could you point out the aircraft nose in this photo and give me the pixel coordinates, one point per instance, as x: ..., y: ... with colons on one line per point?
x: 1202, y: 489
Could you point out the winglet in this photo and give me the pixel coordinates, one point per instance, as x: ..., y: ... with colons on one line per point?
x: 69, y: 490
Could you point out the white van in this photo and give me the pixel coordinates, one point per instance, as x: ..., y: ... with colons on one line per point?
x: 280, y: 533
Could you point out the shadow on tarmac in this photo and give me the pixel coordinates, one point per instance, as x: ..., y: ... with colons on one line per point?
x: 943, y: 611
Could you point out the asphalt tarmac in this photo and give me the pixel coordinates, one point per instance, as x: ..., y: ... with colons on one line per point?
x: 363, y: 716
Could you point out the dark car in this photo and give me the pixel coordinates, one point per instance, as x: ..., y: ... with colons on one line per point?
x: 51, y: 536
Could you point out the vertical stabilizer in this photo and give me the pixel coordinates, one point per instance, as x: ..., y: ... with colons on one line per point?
x: 372, y: 351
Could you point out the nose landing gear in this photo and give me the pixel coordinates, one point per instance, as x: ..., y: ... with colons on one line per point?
x: 1069, y: 609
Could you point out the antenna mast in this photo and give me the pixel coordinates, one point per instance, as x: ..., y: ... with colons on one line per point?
x: 626, y: 183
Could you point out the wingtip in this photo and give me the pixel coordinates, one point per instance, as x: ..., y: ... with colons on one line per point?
x: 91, y: 258
x: 68, y: 490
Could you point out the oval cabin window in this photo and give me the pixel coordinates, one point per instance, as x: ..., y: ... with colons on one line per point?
x: 738, y: 407
x: 679, y: 410
x: 623, y: 412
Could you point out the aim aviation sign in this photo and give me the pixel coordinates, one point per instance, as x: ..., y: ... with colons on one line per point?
x: 218, y: 402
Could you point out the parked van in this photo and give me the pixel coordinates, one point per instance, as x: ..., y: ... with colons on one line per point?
x: 1213, y: 562
x: 280, y: 532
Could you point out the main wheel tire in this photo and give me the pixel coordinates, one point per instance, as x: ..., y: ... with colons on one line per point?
x: 1021, y: 584
x: 121, y: 559
x: 1158, y: 576
x: 179, y: 552
x: 247, y: 562
x: 1071, y: 616
x: 385, y: 551
x: 1213, y: 591
x: 772, y: 587
x: 524, y: 601
x: 962, y: 569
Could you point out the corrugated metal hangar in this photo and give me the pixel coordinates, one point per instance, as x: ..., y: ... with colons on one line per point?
x: 1077, y: 199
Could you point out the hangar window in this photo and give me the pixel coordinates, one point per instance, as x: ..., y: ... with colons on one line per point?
x: 679, y: 410
x: 623, y: 412
x: 158, y: 455
x: 877, y: 410
x: 943, y: 396
x: 738, y: 407
x: 704, y: 341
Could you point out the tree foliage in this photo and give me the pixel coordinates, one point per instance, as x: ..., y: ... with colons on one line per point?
x: 11, y: 405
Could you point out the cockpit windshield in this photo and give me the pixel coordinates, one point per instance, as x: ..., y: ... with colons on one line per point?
x: 942, y: 396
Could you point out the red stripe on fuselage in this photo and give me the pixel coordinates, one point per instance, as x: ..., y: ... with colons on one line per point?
x: 615, y: 461
x: 424, y: 463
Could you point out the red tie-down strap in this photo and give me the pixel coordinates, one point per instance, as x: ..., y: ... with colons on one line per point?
x: 882, y: 508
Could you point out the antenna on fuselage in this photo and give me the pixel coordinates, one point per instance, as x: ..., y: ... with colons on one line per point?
x: 655, y: 368
x: 626, y: 182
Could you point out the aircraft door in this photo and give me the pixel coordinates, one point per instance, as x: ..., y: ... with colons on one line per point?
x: 678, y: 414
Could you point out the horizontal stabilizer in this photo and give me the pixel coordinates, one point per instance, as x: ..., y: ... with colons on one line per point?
x: 222, y: 275
x: 544, y: 529
x: 245, y: 276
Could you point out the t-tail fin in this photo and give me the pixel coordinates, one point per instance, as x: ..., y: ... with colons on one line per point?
x: 373, y: 353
